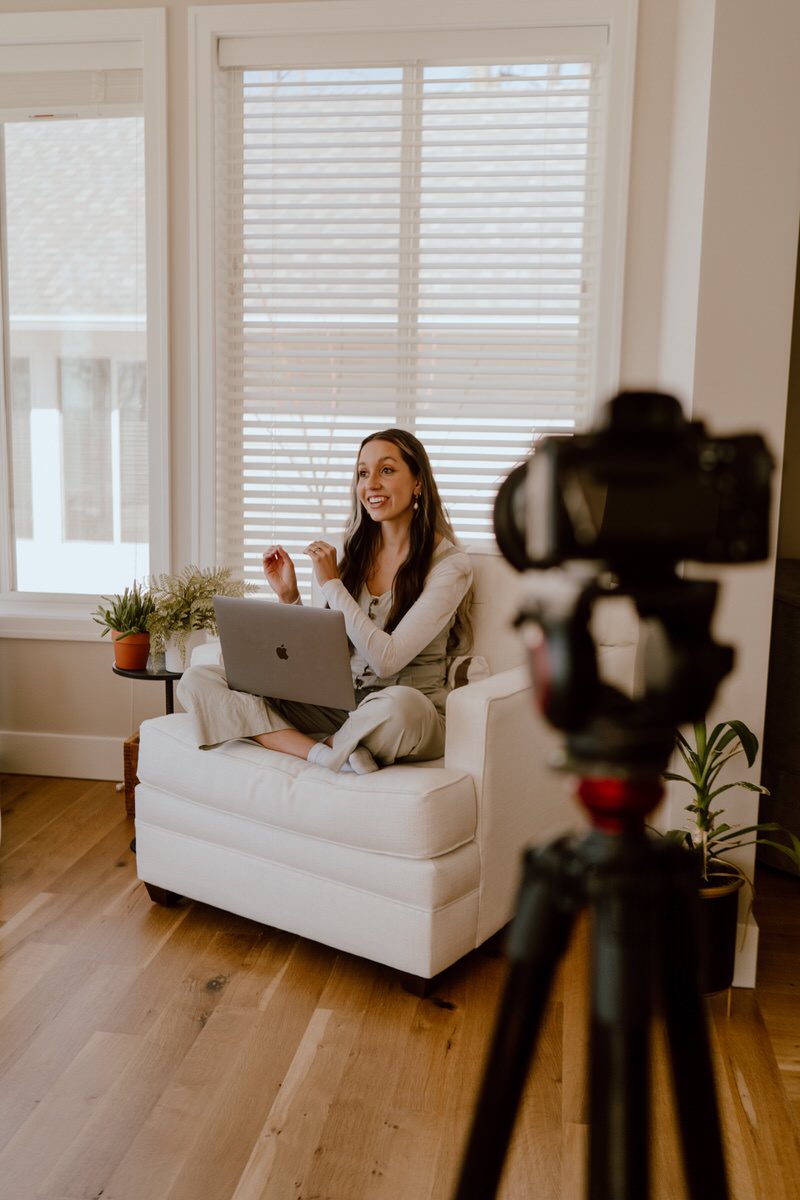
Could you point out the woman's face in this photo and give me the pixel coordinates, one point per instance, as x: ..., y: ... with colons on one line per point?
x: 385, y: 484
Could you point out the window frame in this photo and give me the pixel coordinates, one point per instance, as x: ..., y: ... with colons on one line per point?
x: 58, y: 616
x: 357, y: 18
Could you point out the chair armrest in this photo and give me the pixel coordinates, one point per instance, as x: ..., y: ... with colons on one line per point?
x: 496, y: 734
x: 469, y: 711
x: 207, y: 654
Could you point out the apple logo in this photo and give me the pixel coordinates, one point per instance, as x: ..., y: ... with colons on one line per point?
x: 281, y: 651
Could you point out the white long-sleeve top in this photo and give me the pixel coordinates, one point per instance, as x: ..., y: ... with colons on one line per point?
x: 414, y: 653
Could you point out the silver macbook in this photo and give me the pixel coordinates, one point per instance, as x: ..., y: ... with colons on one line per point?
x: 285, y: 651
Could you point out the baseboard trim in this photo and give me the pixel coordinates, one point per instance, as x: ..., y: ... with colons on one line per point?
x: 64, y: 754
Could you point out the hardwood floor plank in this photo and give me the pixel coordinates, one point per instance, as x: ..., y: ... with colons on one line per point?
x: 31, y: 803
x: 23, y: 968
x: 535, y: 1153
x: 97, y: 1153
x: 30, y: 919
x: 247, y: 1093
x: 433, y: 1026
x: 353, y: 1134
x: 179, y: 963
x: 777, y: 909
x: 42, y: 857
x: 171, y: 1131
x: 483, y: 981
x: 63, y: 1111
x: 761, y: 1133
x: 43, y: 1033
x: 14, y: 786
x: 297, y: 1116
x: 32, y: 1013
x: 405, y: 1154
x: 128, y: 929
x: 170, y: 1134
x: 189, y: 1054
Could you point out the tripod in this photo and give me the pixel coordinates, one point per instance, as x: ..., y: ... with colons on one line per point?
x: 641, y: 893
x: 597, y: 516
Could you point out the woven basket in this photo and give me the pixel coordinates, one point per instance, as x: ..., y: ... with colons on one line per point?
x: 130, y: 752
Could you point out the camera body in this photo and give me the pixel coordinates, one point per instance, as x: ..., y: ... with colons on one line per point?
x: 646, y: 487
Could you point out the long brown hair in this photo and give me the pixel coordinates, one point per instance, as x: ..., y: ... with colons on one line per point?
x: 362, y: 538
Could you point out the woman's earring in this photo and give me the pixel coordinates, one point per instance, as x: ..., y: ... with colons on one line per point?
x: 416, y: 502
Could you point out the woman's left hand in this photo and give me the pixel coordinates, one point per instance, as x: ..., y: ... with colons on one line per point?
x: 323, y: 560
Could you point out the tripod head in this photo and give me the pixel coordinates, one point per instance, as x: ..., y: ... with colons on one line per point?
x: 625, y: 740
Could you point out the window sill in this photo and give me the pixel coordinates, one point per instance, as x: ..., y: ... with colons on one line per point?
x: 55, y: 619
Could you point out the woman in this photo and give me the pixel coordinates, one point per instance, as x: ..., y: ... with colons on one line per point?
x: 404, y: 588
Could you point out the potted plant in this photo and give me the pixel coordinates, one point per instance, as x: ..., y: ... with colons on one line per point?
x: 713, y: 839
x: 127, y: 620
x: 184, y: 609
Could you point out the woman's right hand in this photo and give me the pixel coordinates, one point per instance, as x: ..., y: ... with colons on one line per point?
x: 280, y: 574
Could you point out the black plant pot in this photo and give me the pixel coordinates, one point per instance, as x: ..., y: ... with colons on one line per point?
x: 719, y: 904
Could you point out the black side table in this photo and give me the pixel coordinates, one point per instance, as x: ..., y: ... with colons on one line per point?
x: 132, y: 745
x: 168, y: 678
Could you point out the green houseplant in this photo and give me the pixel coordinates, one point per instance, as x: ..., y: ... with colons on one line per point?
x: 184, y: 608
x: 713, y: 838
x: 126, y: 619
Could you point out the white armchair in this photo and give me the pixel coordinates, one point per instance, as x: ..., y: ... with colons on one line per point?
x: 412, y: 866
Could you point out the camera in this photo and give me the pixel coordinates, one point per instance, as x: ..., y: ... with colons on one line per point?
x: 644, y: 487
x: 640, y: 493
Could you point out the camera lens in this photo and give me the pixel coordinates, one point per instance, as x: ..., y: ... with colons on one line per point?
x: 509, y: 518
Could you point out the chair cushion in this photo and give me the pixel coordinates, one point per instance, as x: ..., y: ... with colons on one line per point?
x: 416, y: 810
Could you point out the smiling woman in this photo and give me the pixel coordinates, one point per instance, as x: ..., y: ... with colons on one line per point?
x: 404, y: 587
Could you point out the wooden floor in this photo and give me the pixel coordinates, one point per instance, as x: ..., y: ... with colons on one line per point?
x: 186, y: 1054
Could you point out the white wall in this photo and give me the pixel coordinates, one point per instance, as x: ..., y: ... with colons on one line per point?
x: 724, y: 217
x: 727, y: 233
x: 712, y: 236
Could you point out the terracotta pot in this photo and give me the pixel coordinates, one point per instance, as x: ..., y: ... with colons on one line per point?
x: 719, y: 905
x: 131, y: 650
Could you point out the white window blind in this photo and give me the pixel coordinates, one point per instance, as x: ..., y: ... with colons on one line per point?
x: 409, y: 243
x: 80, y: 78
x: 40, y: 95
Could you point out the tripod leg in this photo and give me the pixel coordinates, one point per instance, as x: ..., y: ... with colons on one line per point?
x: 687, y: 1030
x: 550, y: 897
x: 621, y: 900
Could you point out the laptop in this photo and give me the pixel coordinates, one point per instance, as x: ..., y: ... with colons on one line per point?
x: 285, y: 651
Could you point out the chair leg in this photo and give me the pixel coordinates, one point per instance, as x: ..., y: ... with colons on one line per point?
x: 162, y: 896
x: 417, y: 985
x: 495, y: 946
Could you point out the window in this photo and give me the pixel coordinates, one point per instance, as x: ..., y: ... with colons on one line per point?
x: 85, y: 394
x: 22, y: 493
x: 83, y: 262
x: 411, y: 229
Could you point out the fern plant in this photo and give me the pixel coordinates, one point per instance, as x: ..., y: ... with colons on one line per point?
x: 713, y: 838
x: 184, y: 602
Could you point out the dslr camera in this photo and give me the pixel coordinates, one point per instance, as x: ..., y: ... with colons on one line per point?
x: 645, y: 488
x: 611, y: 513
